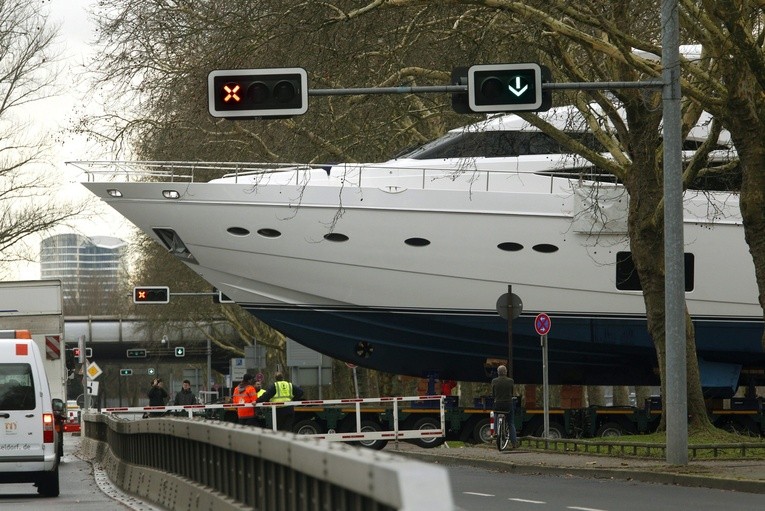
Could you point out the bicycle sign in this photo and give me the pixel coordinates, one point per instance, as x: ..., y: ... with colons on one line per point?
x: 542, y: 324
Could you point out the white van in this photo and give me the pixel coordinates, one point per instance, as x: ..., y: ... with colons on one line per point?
x: 29, y: 441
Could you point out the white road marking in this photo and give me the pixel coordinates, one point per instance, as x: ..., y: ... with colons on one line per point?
x: 478, y: 494
x: 575, y: 508
x: 529, y: 501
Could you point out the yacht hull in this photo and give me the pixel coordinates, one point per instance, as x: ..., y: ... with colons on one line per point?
x: 407, y: 280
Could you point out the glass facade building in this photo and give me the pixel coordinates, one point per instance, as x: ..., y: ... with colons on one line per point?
x: 91, y: 269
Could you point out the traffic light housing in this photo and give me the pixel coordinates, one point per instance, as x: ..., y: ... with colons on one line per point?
x: 251, y: 93
x: 136, y: 353
x: 151, y: 294
x: 180, y: 351
x: 508, y: 88
x: 77, y: 352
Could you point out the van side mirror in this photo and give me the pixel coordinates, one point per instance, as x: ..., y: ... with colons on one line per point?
x: 58, y: 405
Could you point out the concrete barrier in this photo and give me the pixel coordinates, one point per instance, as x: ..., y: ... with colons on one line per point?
x: 197, y: 464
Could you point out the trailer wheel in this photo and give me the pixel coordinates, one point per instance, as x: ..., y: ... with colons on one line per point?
x: 611, y: 429
x: 368, y: 426
x: 307, y: 427
x: 428, y: 423
x: 556, y: 431
x: 482, y: 432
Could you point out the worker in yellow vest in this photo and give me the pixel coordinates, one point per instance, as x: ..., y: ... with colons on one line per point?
x: 282, y: 391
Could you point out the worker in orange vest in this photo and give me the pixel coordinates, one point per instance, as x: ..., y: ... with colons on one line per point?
x: 245, y: 393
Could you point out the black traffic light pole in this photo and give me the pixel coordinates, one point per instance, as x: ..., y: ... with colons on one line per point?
x: 646, y: 84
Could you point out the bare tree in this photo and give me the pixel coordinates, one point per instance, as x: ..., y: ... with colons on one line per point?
x: 27, y: 75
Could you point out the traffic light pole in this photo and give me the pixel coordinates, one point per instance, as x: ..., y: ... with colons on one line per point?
x: 419, y: 89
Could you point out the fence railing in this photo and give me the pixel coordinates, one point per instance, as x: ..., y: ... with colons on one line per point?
x: 389, y: 430
x: 644, y: 449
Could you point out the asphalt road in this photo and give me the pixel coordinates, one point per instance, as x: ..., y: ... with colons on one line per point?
x: 477, y: 489
x: 79, y: 490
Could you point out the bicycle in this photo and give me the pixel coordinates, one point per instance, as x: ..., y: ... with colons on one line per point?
x: 502, y: 430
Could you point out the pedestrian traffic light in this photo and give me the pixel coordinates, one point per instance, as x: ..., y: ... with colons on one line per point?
x: 151, y: 294
x: 136, y: 353
x: 250, y: 93
x: 508, y: 88
x: 180, y: 352
x: 126, y: 372
x: 88, y: 353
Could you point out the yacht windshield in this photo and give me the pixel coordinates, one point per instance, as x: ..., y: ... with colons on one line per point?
x: 496, y: 144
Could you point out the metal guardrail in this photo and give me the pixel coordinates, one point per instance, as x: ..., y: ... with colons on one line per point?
x: 181, y: 463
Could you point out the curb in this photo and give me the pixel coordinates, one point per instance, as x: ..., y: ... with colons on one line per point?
x: 668, y: 478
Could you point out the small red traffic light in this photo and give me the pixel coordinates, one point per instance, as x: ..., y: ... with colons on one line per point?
x: 151, y: 294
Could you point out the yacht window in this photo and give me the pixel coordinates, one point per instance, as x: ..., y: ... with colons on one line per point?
x: 269, y: 233
x: 497, y: 144
x: 627, y: 276
x: 335, y: 236
x: 417, y: 242
x: 510, y: 246
x: 238, y: 231
x: 545, y: 248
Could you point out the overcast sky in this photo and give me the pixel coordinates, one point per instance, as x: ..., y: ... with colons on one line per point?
x: 56, y: 115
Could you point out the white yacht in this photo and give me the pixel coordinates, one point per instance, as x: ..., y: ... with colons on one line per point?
x: 399, y: 265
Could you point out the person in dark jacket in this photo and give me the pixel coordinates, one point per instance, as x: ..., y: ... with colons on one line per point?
x: 185, y: 396
x: 502, y: 391
x: 282, y: 391
x: 157, y: 395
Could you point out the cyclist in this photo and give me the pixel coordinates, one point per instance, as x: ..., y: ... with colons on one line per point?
x: 502, y: 391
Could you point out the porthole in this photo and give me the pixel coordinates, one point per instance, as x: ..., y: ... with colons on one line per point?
x: 238, y: 231
x: 269, y: 233
x: 545, y: 248
x: 509, y: 246
x: 335, y: 236
x: 417, y: 242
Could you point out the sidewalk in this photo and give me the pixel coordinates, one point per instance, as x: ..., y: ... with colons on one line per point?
x: 738, y: 475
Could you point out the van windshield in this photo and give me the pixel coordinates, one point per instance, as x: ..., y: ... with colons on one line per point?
x: 17, y: 388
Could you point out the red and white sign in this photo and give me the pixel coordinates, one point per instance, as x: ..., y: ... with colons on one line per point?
x: 542, y: 324
x: 53, y: 347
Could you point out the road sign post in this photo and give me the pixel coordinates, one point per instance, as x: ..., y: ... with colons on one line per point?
x: 509, y: 307
x: 542, y: 325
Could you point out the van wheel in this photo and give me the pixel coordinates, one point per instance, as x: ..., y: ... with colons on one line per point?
x: 47, y: 484
x: 482, y: 432
x: 428, y: 423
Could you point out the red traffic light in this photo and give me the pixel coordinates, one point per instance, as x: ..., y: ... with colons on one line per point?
x: 151, y: 294
x: 250, y: 93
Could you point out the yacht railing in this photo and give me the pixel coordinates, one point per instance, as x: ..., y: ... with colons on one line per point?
x: 185, y: 171
x: 176, y: 171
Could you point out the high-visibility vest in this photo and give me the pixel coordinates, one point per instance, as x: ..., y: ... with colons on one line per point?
x: 283, y: 392
x: 246, y: 395
x: 261, y: 392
